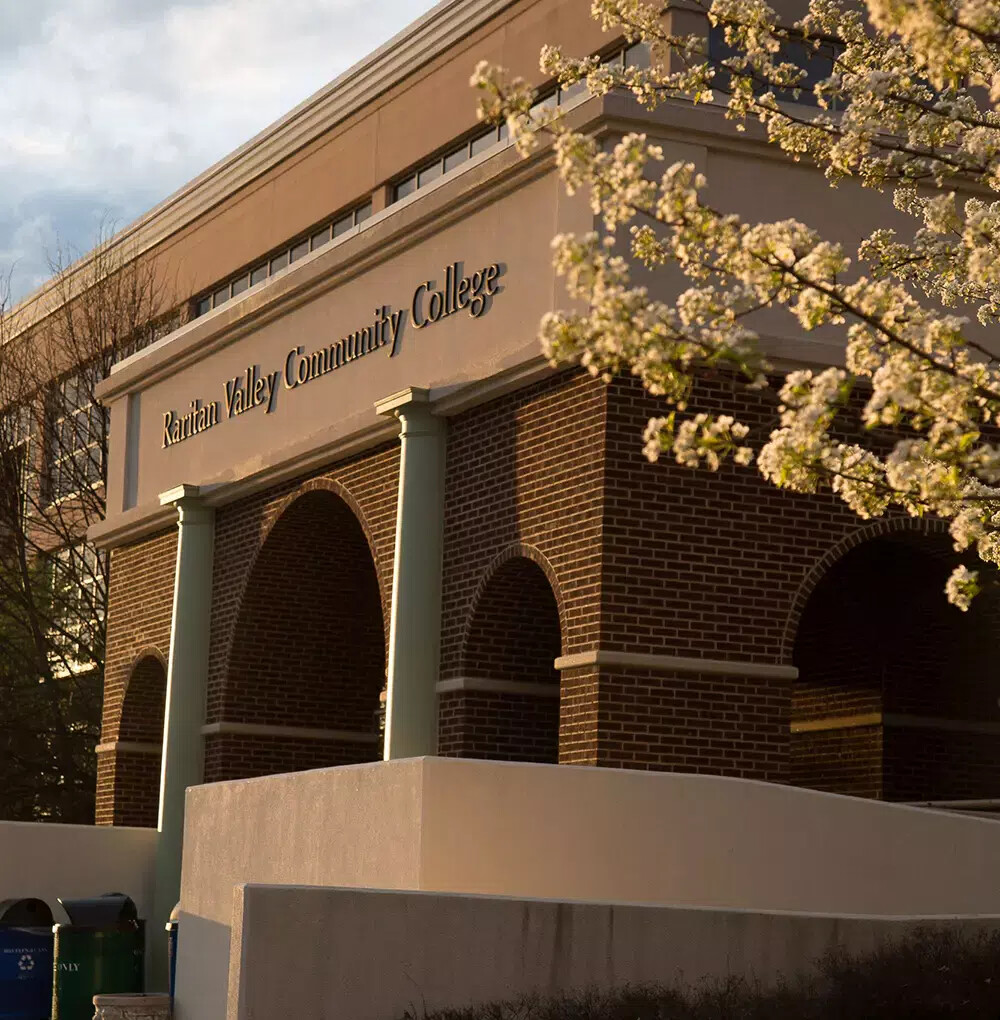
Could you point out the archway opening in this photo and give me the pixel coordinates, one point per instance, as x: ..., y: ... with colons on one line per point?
x: 507, y: 704
x: 307, y: 661
x: 140, y: 734
x: 894, y: 697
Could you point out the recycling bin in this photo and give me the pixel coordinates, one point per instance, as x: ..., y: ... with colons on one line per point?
x: 25, y: 960
x: 100, y: 951
x: 171, y: 927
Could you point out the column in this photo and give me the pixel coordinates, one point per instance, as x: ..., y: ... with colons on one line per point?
x: 187, y: 677
x: 415, y: 624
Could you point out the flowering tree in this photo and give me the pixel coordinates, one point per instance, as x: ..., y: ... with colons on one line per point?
x: 907, y: 102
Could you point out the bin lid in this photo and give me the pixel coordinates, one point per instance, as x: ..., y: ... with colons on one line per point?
x: 109, y: 909
x: 26, y: 913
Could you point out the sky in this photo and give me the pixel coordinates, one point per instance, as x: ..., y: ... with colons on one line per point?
x: 108, y: 106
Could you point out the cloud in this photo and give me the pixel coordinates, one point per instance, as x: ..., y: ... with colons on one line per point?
x: 110, y: 105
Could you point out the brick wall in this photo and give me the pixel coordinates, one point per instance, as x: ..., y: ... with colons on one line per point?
x: 140, y: 602
x: 301, y: 590
x: 561, y: 537
x: 513, y: 636
x: 524, y: 479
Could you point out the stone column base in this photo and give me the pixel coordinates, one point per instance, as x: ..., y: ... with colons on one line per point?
x: 131, y: 1007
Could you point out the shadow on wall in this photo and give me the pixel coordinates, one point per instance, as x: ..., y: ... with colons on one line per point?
x: 896, y: 694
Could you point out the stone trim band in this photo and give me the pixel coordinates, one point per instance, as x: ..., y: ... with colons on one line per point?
x: 480, y: 683
x: 902, y: 721
x: 677, y: 664
x: 291, y: 732
x: 129, y: 747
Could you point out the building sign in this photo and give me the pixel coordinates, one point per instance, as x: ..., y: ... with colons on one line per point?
x: 257, y: 387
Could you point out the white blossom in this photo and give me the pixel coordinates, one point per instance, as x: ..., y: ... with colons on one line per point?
x: 910, y: 106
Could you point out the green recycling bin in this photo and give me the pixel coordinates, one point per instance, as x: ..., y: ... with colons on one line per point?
x: 101, y: 951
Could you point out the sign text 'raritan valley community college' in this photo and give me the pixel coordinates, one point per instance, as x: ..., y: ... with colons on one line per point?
x: 259, y: 388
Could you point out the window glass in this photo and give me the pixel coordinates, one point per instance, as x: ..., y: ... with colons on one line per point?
x: 817, y: 64
x: 298, y: 250
x: 483, y: 142
x: 258, y: 275
x: 279, y: 262
x: 203, y: 306
x: 75, y: 437
x: 456, y: 158
x: 77, y: 573
x: 406, y: 187
x: 546, y: 103
x: 240, y: 285
x: 344, y: 224
x: 220, y: 296
x: 637, y: 55
x: 429, y: 173
x: 567, y: 96
x: 320, y: 238
x: 363, y: 213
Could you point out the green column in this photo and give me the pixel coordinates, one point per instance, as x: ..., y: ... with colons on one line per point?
x: 415, y: 625
x: 187, y: 677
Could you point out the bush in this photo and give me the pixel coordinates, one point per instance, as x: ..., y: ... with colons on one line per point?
x: 933, y: 973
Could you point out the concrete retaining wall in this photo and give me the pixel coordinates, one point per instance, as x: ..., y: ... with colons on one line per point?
x: 47, y: 861
x: 568, y: 833
x: 316, y: 953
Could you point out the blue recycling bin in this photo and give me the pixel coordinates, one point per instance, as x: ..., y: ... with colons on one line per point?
x: 25, y: 960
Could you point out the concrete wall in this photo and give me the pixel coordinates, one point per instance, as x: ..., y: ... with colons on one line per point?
x: 452, y: 825
x: 383, y: 953
x: 73, y: 861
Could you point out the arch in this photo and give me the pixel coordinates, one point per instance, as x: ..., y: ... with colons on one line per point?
x: 525, y: 551
x: 306, y: 663
x: 144, y: 703
x: 140, y: 733
x: 874, y: 529
x: 338, y: 489
x: 893, y: 680
x: 508, y: 705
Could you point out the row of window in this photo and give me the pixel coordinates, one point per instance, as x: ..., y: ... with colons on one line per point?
x: 629, y: 56
x: 296, y: 250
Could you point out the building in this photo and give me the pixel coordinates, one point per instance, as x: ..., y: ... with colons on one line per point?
x: 348, y: 491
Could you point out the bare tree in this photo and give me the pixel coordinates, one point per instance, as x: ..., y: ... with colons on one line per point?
x: 53, y: 474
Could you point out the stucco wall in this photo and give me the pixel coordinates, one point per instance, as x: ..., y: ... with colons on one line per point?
x: 74, y: 861
x: 384, y: 953
x: 498, y: 828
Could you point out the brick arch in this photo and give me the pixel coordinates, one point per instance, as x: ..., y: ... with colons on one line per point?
x: 144, y: 702
x: 340, y: 490
x: 895, y: 685
x: 514, y: 551
x: 136, y: 772
x: 306, y: 656
x: 506, y: 704
x: 883, y: 528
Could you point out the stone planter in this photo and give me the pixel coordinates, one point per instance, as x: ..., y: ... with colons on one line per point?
x: 131, y: 1007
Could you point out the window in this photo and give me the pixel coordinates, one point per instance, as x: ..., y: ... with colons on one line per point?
x: 816, y: 61
x: 77, y: 606
x: 280, y: 260
x: 77, y: 426
x: 637, y: 55
x: 15, y: 461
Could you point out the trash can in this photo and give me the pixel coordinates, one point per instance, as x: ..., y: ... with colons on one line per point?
x: 171, y: 927
x: 132, y: 1007
x: 101, y: 951
x: 25, y: 960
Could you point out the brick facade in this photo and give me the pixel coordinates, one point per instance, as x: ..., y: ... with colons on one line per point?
x: 562, y: 539
x: 140, y: 603
x: 301, y: 590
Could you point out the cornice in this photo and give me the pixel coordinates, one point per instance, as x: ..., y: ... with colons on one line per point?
x: 407, y: 51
